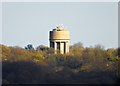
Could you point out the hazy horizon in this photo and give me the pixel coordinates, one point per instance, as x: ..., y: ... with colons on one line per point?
x: 91, y: 23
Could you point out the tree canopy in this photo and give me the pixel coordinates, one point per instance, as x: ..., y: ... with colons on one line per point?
x: 40, y: 65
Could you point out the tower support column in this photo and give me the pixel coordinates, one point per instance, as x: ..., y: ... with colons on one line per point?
x: 55, y: 47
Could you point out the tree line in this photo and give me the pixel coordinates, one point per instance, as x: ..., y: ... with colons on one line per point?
x: 40, y: 65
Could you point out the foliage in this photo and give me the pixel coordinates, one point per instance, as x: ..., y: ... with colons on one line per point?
x: 77, y: 45
x: 42, y: 47
x: 73, y: 63
x: 80, y: 65
x: 114, y: 58
x: 50, y: 51
x: 85, y: 68
x: 29, y: 47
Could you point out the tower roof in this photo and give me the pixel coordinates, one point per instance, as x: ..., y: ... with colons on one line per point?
x: 59, y: 28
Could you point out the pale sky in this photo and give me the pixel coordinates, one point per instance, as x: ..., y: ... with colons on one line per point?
x: 88, y: 22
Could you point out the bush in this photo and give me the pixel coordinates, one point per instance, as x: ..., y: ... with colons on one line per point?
x: 73, y: 63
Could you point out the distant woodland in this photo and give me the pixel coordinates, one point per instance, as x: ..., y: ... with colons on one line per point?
x: 82, y: 65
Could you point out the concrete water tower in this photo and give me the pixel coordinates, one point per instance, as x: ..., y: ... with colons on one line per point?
x: 59, y: 39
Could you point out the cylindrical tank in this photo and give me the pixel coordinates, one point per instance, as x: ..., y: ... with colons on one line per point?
x: 59, y: 34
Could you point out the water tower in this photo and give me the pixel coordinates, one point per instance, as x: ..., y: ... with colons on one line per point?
x: 59, y: 39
